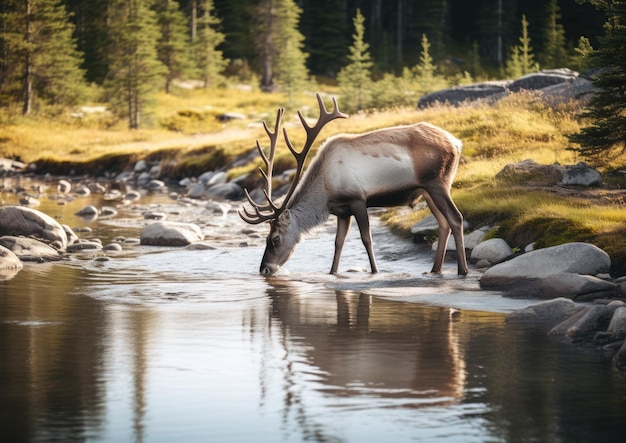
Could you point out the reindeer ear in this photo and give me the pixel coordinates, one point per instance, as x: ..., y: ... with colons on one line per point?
x: 284, y: 217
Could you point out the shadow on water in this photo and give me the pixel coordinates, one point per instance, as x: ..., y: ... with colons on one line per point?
x: 194, y: 346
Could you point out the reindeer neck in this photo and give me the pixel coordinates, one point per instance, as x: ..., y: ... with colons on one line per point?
x: 309, y: 204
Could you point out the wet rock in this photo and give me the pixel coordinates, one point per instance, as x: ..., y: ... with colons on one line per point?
x: 617, y: 326
x: 576, y: 286
x: 88, y: 211
x: 581, y: 175
x: 132, y: 196
x: 620, y: 357
x: 18, y: 220
x: 82, y: 190
x: 155, y: 185
x: 228, y: 191
x: 576, y: 258
x: 97, y: 188
x: 84, y: 246
x: 64, y: 187
x: 29, y: 249
x: 71, y: 235
x: 29, y: 200
x: 154, y: 215
x: 584, y: 323
x: 108, y: 212
x: 200, y: 246
x: 112, y: 247
x: 197, y: 191
x: 170, y: 234
x: 9, y: 263
x: 552, y: 312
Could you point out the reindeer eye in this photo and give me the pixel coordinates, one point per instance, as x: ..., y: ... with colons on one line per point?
x: 276, y: 241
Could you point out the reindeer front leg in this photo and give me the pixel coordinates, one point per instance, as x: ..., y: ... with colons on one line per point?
x: 343, y: 226
x: 359, y: 210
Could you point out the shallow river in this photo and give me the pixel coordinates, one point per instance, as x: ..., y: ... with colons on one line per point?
x: 161, y: 345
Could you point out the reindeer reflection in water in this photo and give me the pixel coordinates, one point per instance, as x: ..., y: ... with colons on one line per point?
x: 368, y: 349
x: 387, y: 167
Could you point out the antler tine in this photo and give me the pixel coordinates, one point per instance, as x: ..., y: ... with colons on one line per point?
x: 259, y: 215
x: 311, y: 134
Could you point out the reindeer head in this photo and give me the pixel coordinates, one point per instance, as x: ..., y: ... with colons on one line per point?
x: 284, y: 235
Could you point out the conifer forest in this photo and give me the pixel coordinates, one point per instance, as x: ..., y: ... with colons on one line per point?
x: 53, y: 51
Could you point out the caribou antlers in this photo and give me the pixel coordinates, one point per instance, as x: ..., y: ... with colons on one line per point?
x: 270, y: 210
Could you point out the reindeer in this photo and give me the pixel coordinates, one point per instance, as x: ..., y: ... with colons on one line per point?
x: 383, y: 168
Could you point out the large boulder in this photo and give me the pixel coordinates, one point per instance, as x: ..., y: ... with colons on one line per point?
x: 28, y: 222
x: 170, y: 234
x: 530, y: 268
x: 457, y: 95
x: 543, y: 79
x: 550, y: 312
x: 580, y: 174
x: 529, y: 172
x: 29, y: 249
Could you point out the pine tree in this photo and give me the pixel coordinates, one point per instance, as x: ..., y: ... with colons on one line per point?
x: 173, y: 43
x: 554, y: 54
x: 209, y: 59
x: 355, y: 79
x: 522, y: 60
x: 40, y: 62
x: 290, y: 60
x: 606, y: 136
x: 583, y: 52
x: 135, y: 73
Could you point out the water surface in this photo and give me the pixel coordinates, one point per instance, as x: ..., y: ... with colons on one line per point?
x: 163, y: 344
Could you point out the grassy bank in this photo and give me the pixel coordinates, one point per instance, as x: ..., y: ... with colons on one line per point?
x: 189, y: 136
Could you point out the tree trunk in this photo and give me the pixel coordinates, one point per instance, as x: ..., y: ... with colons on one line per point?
x: 267, y: 81
x: 27, y: 90
x: 193, y: 22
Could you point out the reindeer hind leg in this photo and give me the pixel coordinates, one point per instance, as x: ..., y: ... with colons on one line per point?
x: 441, y: 200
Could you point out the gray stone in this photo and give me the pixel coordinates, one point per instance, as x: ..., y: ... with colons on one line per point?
x: 575, y: 286
x: 551, y: 311
x: 457, y: 95
x: 543, y: 79
x: 474, y: 238
x: 529, y: 172
x: 84, y: 246
x: 29, y: 249
x: 577, y: 258
x: 88, y: 211
x: 196, y: 191
x: 228, y: 191
x: 426, y: 226
x: 170, y: 234
x: 64, y: 186
x: 155, y: 185
x: 493, y: 250
x: 581, y: 175
x: 617, y: 326
x: 17, y: 220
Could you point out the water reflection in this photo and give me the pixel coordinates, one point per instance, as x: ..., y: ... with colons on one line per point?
x: 177, y: 345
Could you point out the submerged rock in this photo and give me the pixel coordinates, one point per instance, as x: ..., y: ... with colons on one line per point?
x: 170, y: 234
